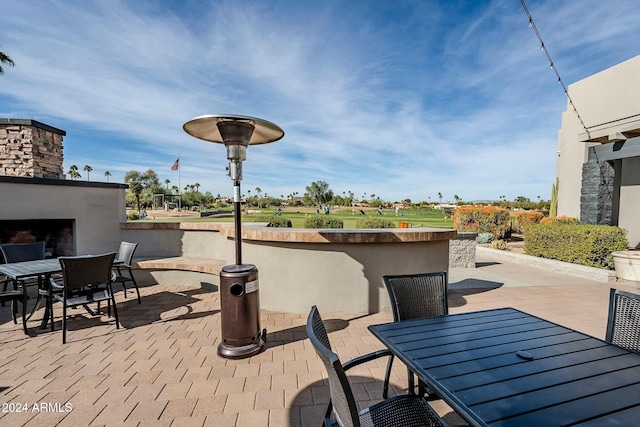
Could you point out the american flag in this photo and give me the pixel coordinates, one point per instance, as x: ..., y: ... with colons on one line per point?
x: 176, y: 165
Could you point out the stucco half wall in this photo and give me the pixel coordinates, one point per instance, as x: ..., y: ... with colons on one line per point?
x: 96, y: 208
x: 340, y: 271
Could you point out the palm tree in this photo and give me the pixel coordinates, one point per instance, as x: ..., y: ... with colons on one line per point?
x: 175, y: 189
x: 73, y: 172
x: 4, y: 59
x: 197, y: 185
x: 87, y: 169
x: 107, y: 174
x: 167, y: 181
x: 440, y: 197
x: 136, y: 189
x: 258, y: 190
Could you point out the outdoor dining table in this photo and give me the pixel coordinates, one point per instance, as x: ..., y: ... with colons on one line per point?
x: 42, y: 269
x: 504, y: 367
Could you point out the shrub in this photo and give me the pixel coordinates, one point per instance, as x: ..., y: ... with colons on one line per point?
x: 500, y: 245
x: 483, y: 238
x: 374, y: 223
x: 274, y: 221
x: 525, y: 218
x: 584, y: 244
x: 319, y: 221
x: 562, y: 219
x: 483, y: 219
x: 133, y: 216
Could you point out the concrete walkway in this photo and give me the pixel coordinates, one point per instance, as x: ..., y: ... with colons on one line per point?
x: 161, y: 368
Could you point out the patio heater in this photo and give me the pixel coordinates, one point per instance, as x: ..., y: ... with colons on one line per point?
x: 239, y: 297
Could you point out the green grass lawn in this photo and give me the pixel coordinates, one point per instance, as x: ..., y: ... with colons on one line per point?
x: 432, y: 218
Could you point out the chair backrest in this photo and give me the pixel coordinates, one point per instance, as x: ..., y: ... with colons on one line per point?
x: 344, y: 404
x: 80, y: 271
x: 417, y: 296
x: 19, y: 252
x: 125, y: 252
x: 623, y: 326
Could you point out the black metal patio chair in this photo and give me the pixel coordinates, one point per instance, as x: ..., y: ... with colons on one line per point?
x: 122, y: 262
x: 16, y: 296
x: 20, y: 252
x: 623, y: 325
x: 406, y: 410
x: 86, y: 279
x: 415, y: 296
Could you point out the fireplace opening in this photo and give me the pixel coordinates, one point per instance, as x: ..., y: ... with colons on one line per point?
x: 56, y: 233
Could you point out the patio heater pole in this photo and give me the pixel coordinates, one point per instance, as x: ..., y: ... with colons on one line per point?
x: 239, y: 298
x: 237, y: 219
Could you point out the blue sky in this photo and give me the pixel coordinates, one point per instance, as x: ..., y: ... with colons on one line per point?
x: 402, y: 99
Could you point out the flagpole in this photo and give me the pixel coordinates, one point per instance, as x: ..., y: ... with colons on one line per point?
x: 179, y: 186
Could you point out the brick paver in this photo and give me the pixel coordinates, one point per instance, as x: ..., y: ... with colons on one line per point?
x: 161, y: 367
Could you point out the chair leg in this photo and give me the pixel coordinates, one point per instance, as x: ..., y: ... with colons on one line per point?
x: 135, y: 284
x: 115, y: 311
x: 24, y: 316
x: 64, y: 322
x: 387, y: 377
x: 124, y: 282
x: 14, y: 310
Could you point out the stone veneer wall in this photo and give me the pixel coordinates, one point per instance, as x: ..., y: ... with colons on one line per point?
x: 462, y: 251
x: 30, y: 149
x: 596, y: 198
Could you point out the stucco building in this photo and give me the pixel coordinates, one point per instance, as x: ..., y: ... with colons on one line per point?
x: 598, y: 164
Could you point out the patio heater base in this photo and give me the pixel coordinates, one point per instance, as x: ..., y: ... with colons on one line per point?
x: 240, y: 312
x: 240, y: 352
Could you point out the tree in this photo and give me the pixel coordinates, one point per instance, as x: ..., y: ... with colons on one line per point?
x: 318, y: 193
x: 136, y: 189
x: 87, y: 169
x: 197, y: 185
x: 440, y: 197
x: 4, y: 59
x: 150, y: 186
x: 258, y: 191
x: 456, y: 198
x: 107, y: 174
x: 73, y: 172
x: 167, y: 181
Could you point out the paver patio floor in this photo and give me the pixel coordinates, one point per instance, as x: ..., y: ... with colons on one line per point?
x: 161, y: 368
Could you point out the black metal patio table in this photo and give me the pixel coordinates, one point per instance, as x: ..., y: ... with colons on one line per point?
x: 42, y: 269
x: 505, y: 367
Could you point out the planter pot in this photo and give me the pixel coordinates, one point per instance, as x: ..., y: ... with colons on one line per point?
x: 627, y: 265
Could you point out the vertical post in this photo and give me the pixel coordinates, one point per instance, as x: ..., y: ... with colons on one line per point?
x: 237, y: 218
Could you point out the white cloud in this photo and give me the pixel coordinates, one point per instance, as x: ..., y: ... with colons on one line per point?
x: 402, y: 100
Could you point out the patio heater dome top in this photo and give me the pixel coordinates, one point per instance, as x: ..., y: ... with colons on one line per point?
x: 206, y: 128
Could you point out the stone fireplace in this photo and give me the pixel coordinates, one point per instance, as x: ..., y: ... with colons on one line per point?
x: 31, y: 149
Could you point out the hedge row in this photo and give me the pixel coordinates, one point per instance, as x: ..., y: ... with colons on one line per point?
x: 274, y: 221
x: 483, y: 219
x: 374, y: 223
x: 320, y: 221
x: 584, y: 244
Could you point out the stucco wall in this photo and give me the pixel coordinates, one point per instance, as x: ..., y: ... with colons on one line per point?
x: 98, y: 208
x: 608, y: 104
x: 630, y: 192
x: 340, y: 278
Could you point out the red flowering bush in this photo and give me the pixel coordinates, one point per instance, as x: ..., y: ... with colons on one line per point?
x: 525, y: 218
x: 489, y: 219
